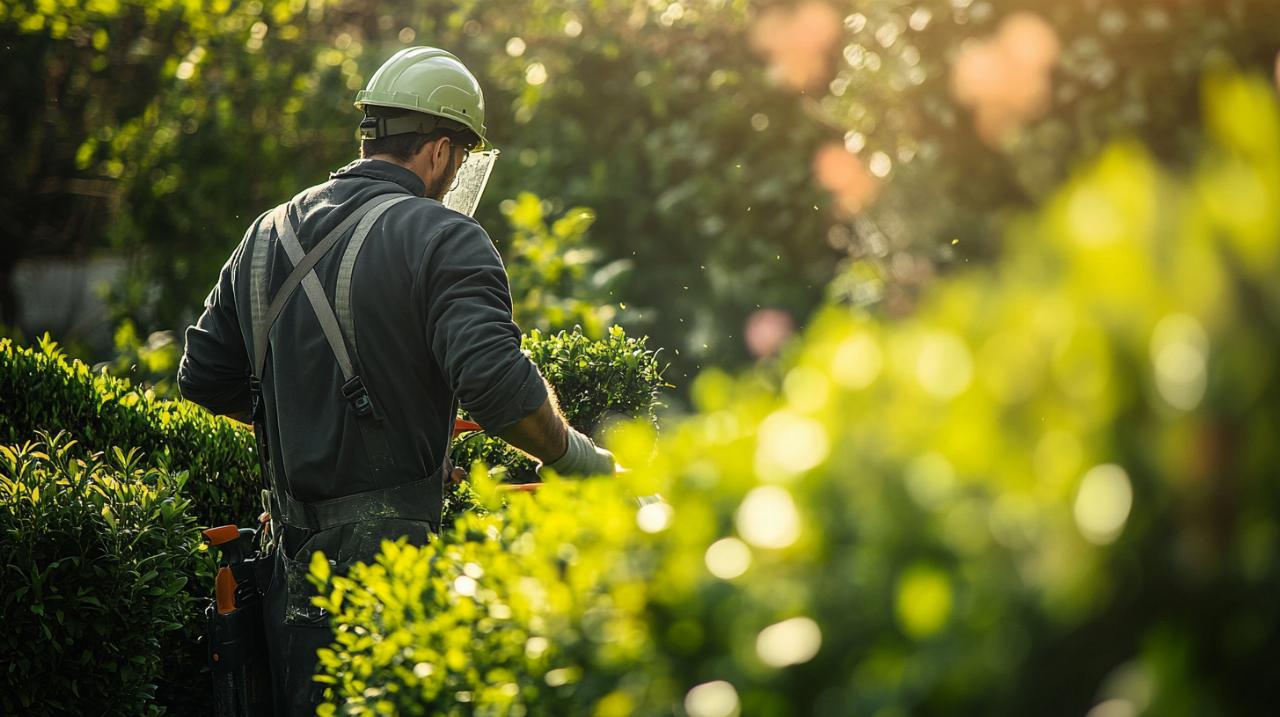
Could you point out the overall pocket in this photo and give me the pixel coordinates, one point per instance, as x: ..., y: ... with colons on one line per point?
x: 298, y: 609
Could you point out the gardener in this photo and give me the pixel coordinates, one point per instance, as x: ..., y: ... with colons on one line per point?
x: 348, y: 326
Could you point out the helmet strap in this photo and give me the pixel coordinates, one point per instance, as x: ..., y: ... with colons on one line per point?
x: 375, y: 127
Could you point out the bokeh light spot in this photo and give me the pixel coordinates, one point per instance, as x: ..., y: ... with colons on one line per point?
x: 655, y: 517
x: 790, y: 642
x: 797, y: 42
x: 1179, y: 354
x: 767, y: 330
x: 841, y: 173
x: 712, y: 699
x: 465, y: 585
x: 807, y: 389
x: 1103, y: 503
x: 768, y: 518
x: 790, y: 444
x: 535, y: 74
x: 728, y: 558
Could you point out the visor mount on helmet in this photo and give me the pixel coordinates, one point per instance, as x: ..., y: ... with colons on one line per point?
x: 373, y: 127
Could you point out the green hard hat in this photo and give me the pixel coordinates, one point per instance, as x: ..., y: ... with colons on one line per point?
x: 427, y: 80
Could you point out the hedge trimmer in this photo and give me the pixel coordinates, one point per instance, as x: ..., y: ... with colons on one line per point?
x: 462, y: 425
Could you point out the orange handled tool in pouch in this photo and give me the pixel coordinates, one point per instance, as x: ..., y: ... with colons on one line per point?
x: 237, y: 635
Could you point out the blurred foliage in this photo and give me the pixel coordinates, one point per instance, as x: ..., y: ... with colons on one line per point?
x: 1052, y: 489
x: 99, y: 550
x: 188, y: 118
x: 152, y: 364
x: 554, y: 281
x: 985, y: 106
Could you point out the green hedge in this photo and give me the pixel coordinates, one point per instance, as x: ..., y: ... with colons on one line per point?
x: 595, y: 381
x: 1054, y: 487
x: 42, y: 391
x: 96, y: 552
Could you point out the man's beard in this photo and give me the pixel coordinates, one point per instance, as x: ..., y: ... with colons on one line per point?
x: 441, y: 186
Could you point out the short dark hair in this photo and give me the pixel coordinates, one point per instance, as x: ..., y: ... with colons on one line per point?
x: 404, y: 146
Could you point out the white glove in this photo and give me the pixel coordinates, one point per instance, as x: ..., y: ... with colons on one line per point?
x: 582, y: 458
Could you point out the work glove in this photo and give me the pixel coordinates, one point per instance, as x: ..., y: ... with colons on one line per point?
x: 582, y: 458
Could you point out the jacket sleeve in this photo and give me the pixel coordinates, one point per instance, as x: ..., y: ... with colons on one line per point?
x: 214, y: 371
x: 467, y: 301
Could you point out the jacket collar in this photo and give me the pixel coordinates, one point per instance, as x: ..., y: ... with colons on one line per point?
x: 384, y: 171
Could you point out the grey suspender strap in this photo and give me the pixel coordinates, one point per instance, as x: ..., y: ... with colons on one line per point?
x: 300, y: 271
x: 418, y: 500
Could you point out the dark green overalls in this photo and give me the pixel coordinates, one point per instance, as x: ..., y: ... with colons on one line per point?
x: 355, y: 441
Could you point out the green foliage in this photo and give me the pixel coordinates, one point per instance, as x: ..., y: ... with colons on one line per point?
x: 1054, y: 486
x: 42, y: 391
x: 596, y: 381
x: 194, y: 118
x: 153, y: 363
x: 554, y: 283
x: 96, y: 552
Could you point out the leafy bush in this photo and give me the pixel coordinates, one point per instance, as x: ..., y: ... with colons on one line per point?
x: 554, y: 281
x: 96, y: 553
x: 43, y: 391
x: 595, y: 381
x: 1053, y: 488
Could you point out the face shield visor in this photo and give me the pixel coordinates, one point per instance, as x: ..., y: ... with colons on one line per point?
x: 469, y: 182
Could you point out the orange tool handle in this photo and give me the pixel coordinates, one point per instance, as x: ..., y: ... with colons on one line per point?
x: 222, y: 534
x: 461, y: 425
x: 224, y: 590
x: 525, y: 487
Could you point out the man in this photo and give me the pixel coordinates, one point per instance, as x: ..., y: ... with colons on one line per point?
x: 348, y: 326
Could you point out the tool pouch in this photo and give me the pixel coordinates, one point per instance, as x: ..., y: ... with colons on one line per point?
x: 237, y: 649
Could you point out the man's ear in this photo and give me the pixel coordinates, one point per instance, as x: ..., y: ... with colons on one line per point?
x: 444, y: 151
x: 427, y: 155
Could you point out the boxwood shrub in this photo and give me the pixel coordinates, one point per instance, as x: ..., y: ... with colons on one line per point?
x: 41, y: 390
x: 97, y: 552
x: 596, y: 381
x: 217, y: 471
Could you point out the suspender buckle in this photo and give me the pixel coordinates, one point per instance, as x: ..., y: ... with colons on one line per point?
x: 356, y: 394
x: 255, y: 397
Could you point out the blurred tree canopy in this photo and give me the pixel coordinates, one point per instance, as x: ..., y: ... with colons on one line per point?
x: 733, y: 151
x: 964, y: 112
x: 201, y: 114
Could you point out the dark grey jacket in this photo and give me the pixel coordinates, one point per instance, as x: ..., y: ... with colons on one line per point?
x: 432, y: 315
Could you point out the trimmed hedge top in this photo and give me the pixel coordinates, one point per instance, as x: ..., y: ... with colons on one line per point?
x: 41, y: 390
x: 595, y: 381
